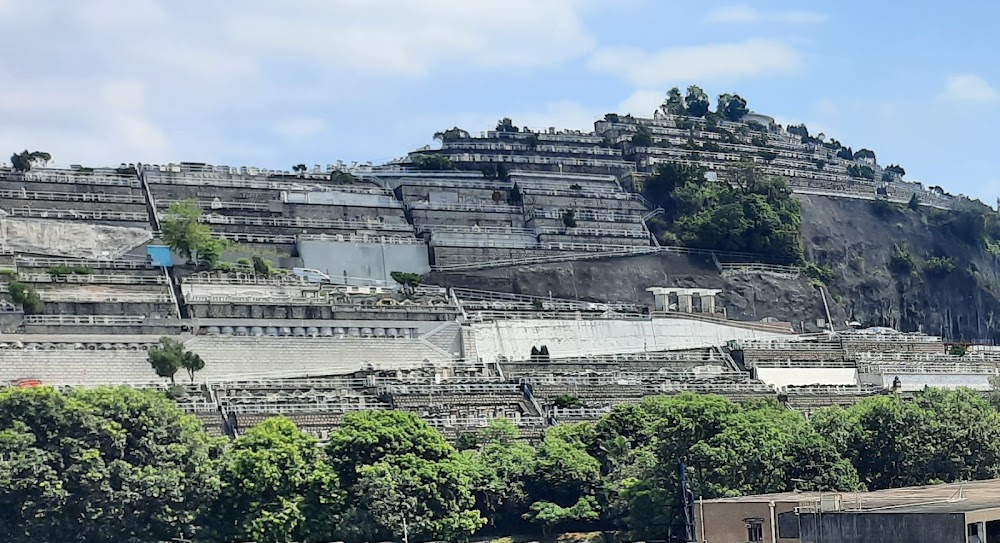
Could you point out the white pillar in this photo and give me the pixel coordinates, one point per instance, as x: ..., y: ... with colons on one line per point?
x: 684, y: 303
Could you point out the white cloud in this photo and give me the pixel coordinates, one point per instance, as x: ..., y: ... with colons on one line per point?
x: 968, y: 88
x: 159, y: 80
x: 697, y: 63
x: 641, y: 103
x: 744, y: 14
x: 300, y: 127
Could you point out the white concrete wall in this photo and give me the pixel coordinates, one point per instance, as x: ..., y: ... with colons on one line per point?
x: 808, y: 376
x: 515, y: 338
x: 915, y: 382
x: 363, y: 260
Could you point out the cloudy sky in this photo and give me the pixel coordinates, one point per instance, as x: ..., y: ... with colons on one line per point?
x: 269, y: 83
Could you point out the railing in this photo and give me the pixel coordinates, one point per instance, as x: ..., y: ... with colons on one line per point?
x: 71, y: 196
x: 828, y: 390
x: 775, y: 328
x: 211, y: 204
x: 773, y: 269
x: 304, y: 223
x: 131, y: 216
x: 588, y: 215
x: 73, y: 178
x: 571, y: 193
x: 362, y: 238
x: 58, y: 296
x: 490, y: 208
x: 985, y: 369
x: 85, y: 320
x: 44, y: 262
x: 92, y: 279
x: 255, y: 238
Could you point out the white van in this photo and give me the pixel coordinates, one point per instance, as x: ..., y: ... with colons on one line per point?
x: 312, y: 275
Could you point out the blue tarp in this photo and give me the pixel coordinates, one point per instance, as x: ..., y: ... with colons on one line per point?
x: 159, y: 255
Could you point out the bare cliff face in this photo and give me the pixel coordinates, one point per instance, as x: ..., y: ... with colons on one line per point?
x: 855, y: 238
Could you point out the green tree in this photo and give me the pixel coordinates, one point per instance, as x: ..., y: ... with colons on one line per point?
x: 187, y: 236
x: 569, y: 219
x: 28, y: 297
x: 26, y: 160
x: 101, y: 463
x: 300, y: 168
x: 641, y: 138
x: 501, y: 467
x: 673, y: 104
x: 914, y: 203
x: 192, y: 363
x: 367, y: 437
x: 732, y: 107
x: 696, y: 101
x: 452, y: 134
x: 412, y: 497
x: 506, y: 125
x: 431, y: 162
x: 549, y: 515
x: 168, y: 357
x: 276, y: 487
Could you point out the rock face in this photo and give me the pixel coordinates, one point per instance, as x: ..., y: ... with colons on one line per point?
x: 854, y: 237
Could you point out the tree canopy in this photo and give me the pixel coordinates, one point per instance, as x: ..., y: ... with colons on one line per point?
x: 731, y: 107
x: 452, y: 134
x: 696, y: 102
x: 26, y: 160
x: 187, y: 236
x: 116, y: 464
x: 752, y: 212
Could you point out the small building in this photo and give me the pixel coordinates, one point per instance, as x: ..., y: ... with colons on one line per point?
x: 684, y: 300
x: 948, y: 513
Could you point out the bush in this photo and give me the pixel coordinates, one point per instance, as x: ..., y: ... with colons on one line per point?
x: 939, y: 266
x: 27, y: 297
x: 431, y: 162
x: 567, y: 401
x: 884, y: 208
x: 819, y: 272
x: 575, y: 186
x: 62, y: 270
x: 569, y: 219
x: 901, y: 262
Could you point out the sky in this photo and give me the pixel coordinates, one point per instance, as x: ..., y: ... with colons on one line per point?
x: 274, y: 83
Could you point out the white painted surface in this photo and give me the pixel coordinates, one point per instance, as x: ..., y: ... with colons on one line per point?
x: 515, y: 338
x: 808, y: 376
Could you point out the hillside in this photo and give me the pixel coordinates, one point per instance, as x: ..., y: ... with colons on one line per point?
x: 855, y: 238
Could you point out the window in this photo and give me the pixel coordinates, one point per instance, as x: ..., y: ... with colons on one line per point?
x: 755, y: 531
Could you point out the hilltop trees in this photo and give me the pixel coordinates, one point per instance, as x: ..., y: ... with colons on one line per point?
x: 25, y: 160
x: 674, y: 103
x: 506, y: 125
x: 731, y: 107
x: 696, y: 101
x: 452, y: 134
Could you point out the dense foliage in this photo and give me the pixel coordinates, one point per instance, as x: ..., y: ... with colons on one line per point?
x: 187, y: 236
x: 752, y: 212
x: 115, y: 464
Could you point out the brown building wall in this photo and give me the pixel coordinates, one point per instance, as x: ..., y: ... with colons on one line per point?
x: 724, y: 522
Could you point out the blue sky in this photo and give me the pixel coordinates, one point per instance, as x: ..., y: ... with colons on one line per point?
x: 267, y: 83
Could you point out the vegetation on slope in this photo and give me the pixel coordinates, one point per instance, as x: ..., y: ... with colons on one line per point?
x: 750, y: 212
x: 119, y: 464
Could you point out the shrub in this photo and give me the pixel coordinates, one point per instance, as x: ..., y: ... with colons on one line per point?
x: 819, y: 272
x: 566, y: 401
x: 569, y: 219
x: 62, y: 270
x: 939, y: 266
x: 914, y: 203
x: 884, y: 208
x: 575, y: 186
x: 27, y: 297
x: 901, y: 262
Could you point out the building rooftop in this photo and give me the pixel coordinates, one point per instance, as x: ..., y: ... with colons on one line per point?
x: 944, y: 498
